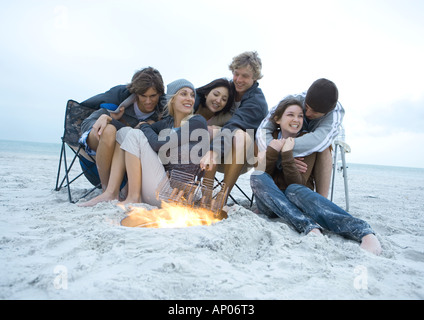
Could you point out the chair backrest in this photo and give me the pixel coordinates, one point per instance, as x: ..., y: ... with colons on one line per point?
x: 74, y: 116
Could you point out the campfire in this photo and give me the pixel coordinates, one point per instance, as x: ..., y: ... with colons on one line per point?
x: 187, y: 200
x: 171, y: 215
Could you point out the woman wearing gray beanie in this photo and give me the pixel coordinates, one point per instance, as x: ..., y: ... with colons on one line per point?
x: 154, y: 149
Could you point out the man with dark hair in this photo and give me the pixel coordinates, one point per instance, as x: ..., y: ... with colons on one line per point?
x: 323, y: 117
x: 123, y: 105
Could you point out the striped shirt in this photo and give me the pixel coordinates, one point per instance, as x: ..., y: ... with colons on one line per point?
x: 321, y: 131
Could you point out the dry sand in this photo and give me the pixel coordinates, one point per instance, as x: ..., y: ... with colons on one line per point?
x: 52, y: 249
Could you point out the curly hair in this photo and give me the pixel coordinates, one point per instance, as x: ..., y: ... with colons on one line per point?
x: 248, y: 58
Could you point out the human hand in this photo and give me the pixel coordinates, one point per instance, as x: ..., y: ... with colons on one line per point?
x: 100, y: 125
x: 300, y: 165
x: 277, y: 144
x: 142, y: 122
x: 118, y: 115
x: 209, y: 161
x: 288, y: 145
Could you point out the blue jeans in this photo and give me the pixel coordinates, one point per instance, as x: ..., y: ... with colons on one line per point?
x: 305, y: 209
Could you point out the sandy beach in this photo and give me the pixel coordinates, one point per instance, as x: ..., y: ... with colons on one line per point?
x: 53, y: 249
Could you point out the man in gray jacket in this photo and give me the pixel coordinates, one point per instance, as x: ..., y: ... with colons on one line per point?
x: 323, y: 118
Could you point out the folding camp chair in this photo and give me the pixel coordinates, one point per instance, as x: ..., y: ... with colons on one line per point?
x: 74, y: 115
x: 249, y: 198
x: 243, y: 175
x: 344, y: 148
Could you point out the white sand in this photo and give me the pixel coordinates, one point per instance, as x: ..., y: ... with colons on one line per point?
x: 52, y: 249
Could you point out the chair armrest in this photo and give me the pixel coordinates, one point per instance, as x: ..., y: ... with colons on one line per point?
x: 344, y: 145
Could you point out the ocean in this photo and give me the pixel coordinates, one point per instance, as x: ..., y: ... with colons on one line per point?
x: 51, y: 149
x: 26, y: 147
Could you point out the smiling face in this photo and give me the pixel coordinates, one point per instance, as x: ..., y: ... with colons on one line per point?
x: 291, y: 121
x: 217, y: 99
x: 183, y: 102
x: 243, y: 79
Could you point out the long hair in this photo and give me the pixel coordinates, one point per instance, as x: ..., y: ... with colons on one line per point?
x: 206, y: 89
x: 282, y: 106
x: 169, y: 108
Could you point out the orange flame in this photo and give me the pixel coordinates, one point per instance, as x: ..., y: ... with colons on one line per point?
x: 170, y: 215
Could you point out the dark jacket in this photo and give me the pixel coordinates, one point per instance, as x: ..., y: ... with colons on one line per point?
x: 116, y: 95
x: 174, y: 145
x: 252, y: 110
x: 249, y: 115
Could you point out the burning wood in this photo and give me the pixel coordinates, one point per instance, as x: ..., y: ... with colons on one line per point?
x: 187, y: 200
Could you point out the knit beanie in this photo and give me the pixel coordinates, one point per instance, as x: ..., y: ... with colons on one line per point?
x: 176, y: 85
x: 322, y: 96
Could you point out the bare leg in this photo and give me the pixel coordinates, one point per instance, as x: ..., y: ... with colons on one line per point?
x: 116, y: 175
x: 104, y: 154
x: 241, y: 142
x: 210, y: 174
x: 322, y: 172
x: 92, y: 141
x: 134, y: 172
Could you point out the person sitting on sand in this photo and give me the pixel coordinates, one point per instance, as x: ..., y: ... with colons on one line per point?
x: 281, y: 190
x: 141, y: 100
x: 323, y: 118
x: 148, y: 153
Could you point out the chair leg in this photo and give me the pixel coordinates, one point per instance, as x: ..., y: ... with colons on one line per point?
x: 345, y: 177
x: 67, y: 176
x: 229, y: 195
x: 67, y: 173
x: 334, y: 171
x: 250, y: 199
x: 344, y: 168
x: 232, y: 198
x: 62, y: 150
x: 68, y: 169
x: 87, y: 193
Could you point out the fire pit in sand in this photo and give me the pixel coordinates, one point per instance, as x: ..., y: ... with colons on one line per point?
x: 187, y: 200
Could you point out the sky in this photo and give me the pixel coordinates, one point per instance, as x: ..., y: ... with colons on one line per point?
x: 53, y: 51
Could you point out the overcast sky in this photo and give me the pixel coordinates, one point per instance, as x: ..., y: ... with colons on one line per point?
x: 52, y: 51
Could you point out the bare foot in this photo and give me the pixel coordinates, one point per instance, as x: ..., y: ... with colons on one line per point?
x: 315, y: 231
x: 370, y: 243
x: 104, y: 197
x: 129, y: 200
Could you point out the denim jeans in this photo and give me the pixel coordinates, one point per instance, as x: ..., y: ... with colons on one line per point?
x: 305, y: 209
